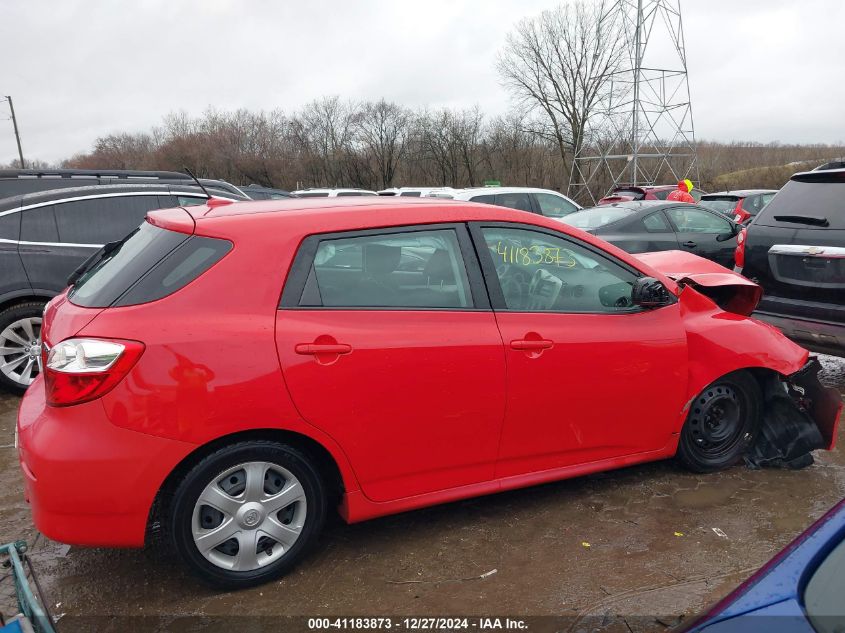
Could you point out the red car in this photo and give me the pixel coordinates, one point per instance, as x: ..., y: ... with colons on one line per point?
x: 626, y: 193
x: 229, y: 373
x: 739, y: 205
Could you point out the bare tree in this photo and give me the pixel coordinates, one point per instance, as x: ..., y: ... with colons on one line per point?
x: 382, y: 130
x: 561, y: 63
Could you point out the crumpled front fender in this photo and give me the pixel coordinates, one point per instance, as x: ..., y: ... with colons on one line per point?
x: 720, y: 342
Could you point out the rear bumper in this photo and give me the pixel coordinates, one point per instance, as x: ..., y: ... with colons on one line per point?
x: 88, y: 481
x: 823, y: 337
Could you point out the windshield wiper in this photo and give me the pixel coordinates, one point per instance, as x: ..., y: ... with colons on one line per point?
x: 88, y: 264
x: 815, y: 220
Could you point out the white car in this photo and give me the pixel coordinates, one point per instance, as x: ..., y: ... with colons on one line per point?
x: 542, y: 201
x: 415, y: 192
x: 332, y: 193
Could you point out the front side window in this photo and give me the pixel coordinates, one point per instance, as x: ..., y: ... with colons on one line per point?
x: 417, y: 269
x: 554, y: 206
x: 539, y: 272
x: 695, y: 221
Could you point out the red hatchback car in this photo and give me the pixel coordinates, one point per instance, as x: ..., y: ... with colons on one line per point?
x: 228, y: 373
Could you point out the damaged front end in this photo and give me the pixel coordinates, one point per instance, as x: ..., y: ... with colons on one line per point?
x: 800, y: 415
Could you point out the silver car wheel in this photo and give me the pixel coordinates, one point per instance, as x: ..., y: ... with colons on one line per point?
x: 20, y: 350
x: 249, y: 516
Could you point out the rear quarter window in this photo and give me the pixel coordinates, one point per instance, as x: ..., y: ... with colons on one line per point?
x: 150, y: 263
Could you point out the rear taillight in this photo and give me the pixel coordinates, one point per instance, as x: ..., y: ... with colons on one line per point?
x: 739, y: 253
x: 81, y: 369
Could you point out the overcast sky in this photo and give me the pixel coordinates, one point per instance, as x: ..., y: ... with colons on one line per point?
x: 762, y: 70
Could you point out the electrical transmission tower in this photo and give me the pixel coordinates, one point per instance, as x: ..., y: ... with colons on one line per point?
x: 643, y: 133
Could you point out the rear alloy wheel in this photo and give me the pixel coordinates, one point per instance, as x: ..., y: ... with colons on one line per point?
x: 20, y: 346
x: 723, y: 421
x: 247, y: 513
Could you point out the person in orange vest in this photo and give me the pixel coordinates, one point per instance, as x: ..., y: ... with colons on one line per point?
x: 682, y: 193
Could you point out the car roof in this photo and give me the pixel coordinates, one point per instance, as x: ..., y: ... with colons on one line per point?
x: 641, y: 205
x: 644, y: 187
x: 739, y: 192
x: 476, y: 191
x: 164, y: 188
x: 331, y: 189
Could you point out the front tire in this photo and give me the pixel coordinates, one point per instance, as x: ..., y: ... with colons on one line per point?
x: 20, y: 345
x: 247, y: 513
x: 723, y: 421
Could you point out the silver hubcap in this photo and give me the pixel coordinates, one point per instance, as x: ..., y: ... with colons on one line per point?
x: 249, y: 516
x: 20, y: 351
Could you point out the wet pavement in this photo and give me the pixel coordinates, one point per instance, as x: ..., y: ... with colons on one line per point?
x: 650, y: 540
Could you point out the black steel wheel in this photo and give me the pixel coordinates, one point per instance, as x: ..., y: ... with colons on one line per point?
x: 723, y: 421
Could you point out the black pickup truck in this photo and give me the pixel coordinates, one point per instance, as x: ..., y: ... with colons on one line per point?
x: 795, y: 249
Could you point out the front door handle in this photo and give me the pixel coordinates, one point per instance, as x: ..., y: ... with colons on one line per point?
x: 690, y: 244
x: 531, y: 345
x: 322, y: 348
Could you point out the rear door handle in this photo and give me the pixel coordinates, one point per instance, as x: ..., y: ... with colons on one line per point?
x: 690, y: 244
x: 322, y: 348
x: 531, y: 344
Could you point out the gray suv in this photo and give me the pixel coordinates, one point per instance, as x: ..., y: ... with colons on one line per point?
x: 45, y: 236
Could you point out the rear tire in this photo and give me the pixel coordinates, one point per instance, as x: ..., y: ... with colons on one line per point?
x: 247, y: 513
x: 723, y: 421
x: 20, y: 342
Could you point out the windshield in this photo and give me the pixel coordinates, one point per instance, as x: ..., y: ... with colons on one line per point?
x: 725, y: 206
x: 597, y: 217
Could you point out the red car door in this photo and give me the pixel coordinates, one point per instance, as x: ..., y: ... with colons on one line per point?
x: 387, y: 343
x: 590, y: 376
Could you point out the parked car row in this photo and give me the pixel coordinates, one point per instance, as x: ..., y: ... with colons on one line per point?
x: 50, y: 221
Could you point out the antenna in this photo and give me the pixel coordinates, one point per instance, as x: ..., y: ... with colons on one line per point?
x: 199, y: 184
x: 644, y: 135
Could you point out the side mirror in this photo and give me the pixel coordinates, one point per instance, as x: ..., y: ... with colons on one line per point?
x: 724, y: 237
x: 649, y: 292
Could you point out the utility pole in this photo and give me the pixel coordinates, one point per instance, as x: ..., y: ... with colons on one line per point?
x: 17, y: 134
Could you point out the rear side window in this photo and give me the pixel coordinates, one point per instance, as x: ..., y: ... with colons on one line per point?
x: 487, y: 199
x: 656, y: 223
x: 10, y: 226
x: 313, y: 195
x: 411, y: 194
x: 418, y: 269
x: 101, y: 220
x: 518, y: 201
x: 148, y: 264
x: 39, y: 225
x: 662, y: 195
